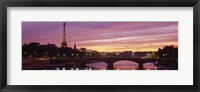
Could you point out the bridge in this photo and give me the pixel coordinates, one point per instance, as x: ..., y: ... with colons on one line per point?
x: 110, y: 61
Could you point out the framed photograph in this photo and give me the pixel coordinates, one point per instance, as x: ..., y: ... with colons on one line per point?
x: 121, y: 45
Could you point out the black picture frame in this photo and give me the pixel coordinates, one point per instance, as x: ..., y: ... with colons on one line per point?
x: 98, y: 3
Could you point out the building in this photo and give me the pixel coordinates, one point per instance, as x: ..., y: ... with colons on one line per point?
x: 168, y: 52
x: 127, y: 54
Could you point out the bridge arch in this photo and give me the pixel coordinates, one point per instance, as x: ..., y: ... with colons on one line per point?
x: 125, y: 65
x: 97, y: 64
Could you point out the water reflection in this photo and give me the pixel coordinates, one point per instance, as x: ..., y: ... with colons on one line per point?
x: 149, y: 66
x: 125, y: 65
x: 97, y: 66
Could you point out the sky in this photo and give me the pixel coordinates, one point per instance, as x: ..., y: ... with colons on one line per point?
x: 104, y: 36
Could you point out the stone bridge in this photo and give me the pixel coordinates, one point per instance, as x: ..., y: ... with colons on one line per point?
x: 111, y: 61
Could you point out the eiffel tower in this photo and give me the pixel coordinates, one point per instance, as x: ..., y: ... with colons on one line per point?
x: 64, y: 43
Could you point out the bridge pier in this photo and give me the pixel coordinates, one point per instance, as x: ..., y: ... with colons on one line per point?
x: 110, y: 67
x: 140, y: 66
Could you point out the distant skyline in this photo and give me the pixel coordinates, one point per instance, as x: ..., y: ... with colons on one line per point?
x: 104, y: 36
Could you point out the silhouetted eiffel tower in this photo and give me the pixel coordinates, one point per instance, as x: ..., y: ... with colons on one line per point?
x: 64, y: 43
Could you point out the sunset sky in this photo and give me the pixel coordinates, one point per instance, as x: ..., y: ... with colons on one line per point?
x: 104, y: 36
